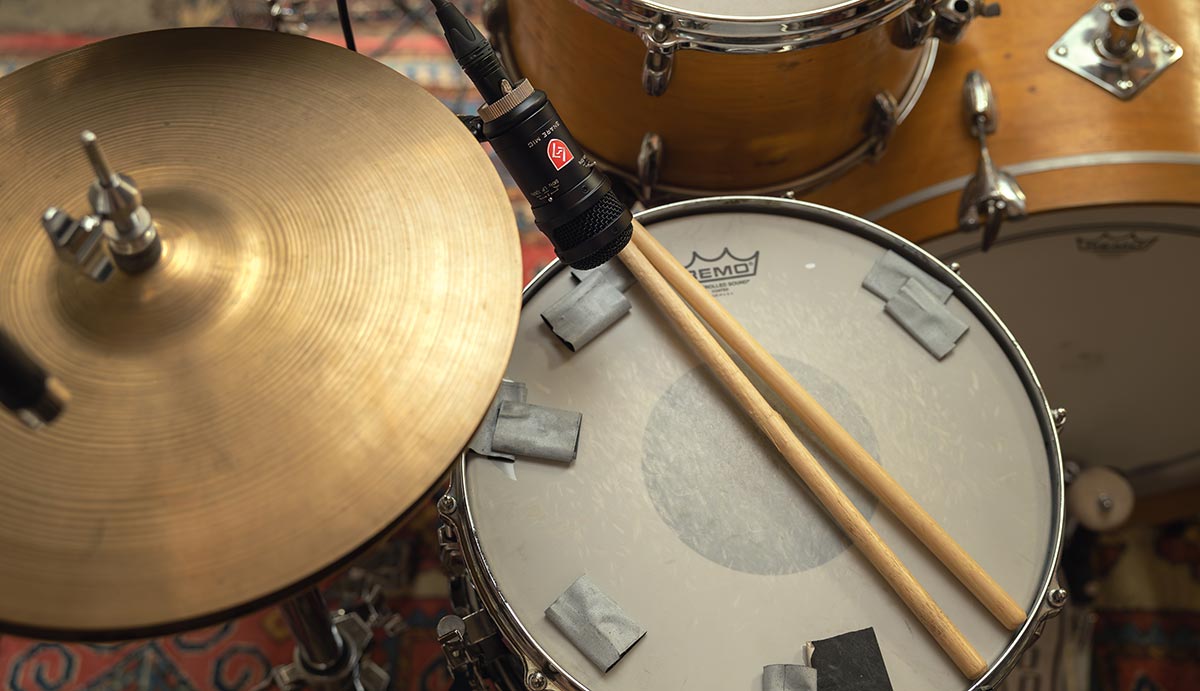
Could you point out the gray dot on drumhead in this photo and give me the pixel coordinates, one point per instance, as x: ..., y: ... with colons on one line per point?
x: 724, y: 489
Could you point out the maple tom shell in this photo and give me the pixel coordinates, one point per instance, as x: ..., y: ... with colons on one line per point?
x: 748, y: 97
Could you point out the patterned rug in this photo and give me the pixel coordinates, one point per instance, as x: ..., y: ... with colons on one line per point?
x: 1147, y: 625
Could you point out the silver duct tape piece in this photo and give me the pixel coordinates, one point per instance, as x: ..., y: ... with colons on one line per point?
x: 615, y: 273
x: 925, y: 318
x: 586, y: 311
x: 482, y: 441
x: 533, y: 430
x: 892, y: 271
x: 789, y: 678
x: 594, y: 624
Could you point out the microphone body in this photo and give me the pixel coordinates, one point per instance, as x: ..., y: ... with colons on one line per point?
x: 573, y: 202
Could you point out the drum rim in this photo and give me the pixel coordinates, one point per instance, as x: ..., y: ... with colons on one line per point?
x: 723, y: 33
x: 535, y: 658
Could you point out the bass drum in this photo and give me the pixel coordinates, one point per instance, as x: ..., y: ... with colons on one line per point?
x: 1097, y: 281
x: 696, y: 97
x: 682, y: 513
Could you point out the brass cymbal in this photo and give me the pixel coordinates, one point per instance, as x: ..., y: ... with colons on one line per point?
x: 335, y: 304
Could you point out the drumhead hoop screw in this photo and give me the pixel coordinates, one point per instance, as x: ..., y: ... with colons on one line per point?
x: 536, y: 681
x: 447, y: 505
x: 1057, y: 597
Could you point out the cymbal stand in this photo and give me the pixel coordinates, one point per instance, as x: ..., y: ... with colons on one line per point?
x: 331, y: 649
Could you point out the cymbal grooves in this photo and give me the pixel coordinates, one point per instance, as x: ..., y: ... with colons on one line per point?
x: 334, y: 308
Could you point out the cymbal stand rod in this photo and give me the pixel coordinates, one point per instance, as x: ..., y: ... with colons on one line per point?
x: 104, y: 172
x: 320, y: 645
x: 331, y: 649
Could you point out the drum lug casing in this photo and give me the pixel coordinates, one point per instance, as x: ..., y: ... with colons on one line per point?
x: 881, y: 124
x: 1113, y: 47
x: 991, y: 196
x: 660, y: 56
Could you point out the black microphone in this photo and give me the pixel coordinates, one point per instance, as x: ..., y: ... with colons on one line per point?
x: 26, y: 390
x: 573, y: 203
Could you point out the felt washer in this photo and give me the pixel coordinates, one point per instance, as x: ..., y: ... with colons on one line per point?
x: 968, y: 433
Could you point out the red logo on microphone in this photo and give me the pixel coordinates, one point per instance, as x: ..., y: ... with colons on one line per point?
x: 559, y: 154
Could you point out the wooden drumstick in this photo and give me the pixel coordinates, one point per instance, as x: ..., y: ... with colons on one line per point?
x: 827, y: 429
x: 843, y: 511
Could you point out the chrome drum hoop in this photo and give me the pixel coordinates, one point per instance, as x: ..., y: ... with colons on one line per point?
x: 731, y: 34
x: 551, y: 676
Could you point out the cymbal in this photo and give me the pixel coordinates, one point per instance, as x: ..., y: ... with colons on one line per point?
x: 335, y: 304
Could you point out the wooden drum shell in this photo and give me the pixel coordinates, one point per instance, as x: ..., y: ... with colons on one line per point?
x: 728, y: 122
x: 1045, y: 113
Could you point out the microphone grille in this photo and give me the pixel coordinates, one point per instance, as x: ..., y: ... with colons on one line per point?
x: 605, y: 216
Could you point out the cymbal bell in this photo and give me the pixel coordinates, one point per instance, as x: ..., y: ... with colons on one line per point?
x: 332, y: 311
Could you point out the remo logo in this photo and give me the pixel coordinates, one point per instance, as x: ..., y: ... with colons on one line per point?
x: 559, y: 154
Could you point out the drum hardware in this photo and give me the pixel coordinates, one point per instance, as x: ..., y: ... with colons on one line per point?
x: 331, y: 650
x: 945, y: 20
x: 118, y: 216
x: 1059, y: 415
x: 287, y: 16
x: 1113, y: 47
x: 992, y: 196
x: 660, y: 58
x: 649, y: 164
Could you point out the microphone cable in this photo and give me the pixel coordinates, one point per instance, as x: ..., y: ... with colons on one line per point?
x: 347, y: 30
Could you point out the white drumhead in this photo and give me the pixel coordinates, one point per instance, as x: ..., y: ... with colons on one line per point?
x: 680, y: 512
x: 748, y: 10
x: 1103, y: 301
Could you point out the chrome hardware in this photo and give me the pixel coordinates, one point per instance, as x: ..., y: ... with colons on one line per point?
x: 78, y: 242
x: 1112, y: 47
x: 1059, y: 416
x: 945, y: 20
x: 447, y: 505
x: 953, y: 16
x: 536, y: 682
x: 331, y: 651
x: 991, y: 195
x: 470, y: 644
x: 881, y: 124
x: 660, y: 59
x: 956, y: 268
x: 132, y: 236
x: 286, y: 17
x: 649, y: 163
x: 1056, y: 598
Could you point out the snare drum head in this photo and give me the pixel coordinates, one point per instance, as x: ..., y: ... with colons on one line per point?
x: 1103, y: 301
x: 679, y: 511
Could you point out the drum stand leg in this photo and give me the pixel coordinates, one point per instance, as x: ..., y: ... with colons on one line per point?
x: 330, y: 649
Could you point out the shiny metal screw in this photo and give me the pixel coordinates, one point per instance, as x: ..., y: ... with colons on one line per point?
x: 1169, y: 48
x: 1059, y: 415
x: 1105, y: 501
x: 956, y: 268
x: 447, y: 505
x: 536, y: 681
x: 1124, y: 85
x: 1057, y: 597
x: 1061, y: 51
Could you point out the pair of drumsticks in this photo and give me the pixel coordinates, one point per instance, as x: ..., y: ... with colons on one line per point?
x: 658, y: 271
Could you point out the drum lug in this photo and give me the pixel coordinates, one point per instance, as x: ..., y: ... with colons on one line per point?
x: 881, y: 124
x: 660, y: 58
x: 991, y: 196
x: 649, y: 163
x: 953, y: 17
x: 470, y: 643
x: 945, y: 20
x: 1112, y: 47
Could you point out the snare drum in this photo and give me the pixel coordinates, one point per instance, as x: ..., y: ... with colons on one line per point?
x: 693, y: 97
x: 1096, y: 281
x: 683, y: 514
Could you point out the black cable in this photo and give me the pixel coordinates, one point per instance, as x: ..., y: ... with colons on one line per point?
x: 347, y: 30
